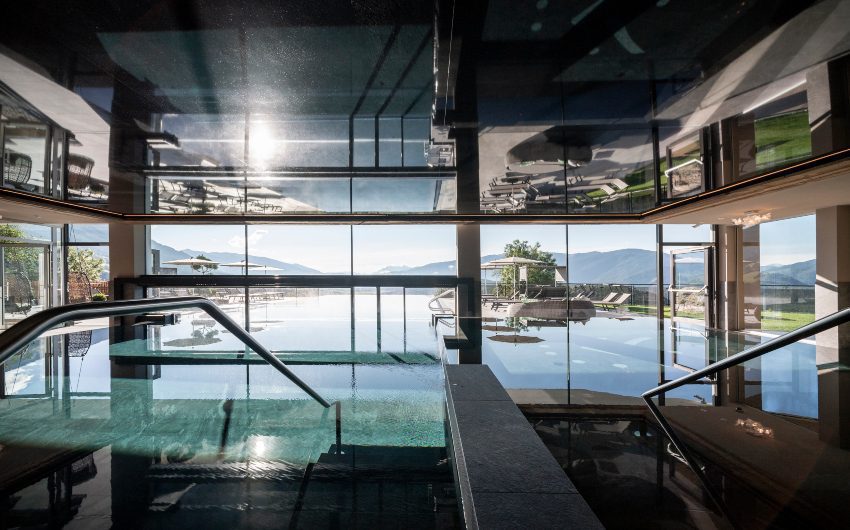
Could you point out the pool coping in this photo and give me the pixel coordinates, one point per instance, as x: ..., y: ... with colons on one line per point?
x: 506, y: 476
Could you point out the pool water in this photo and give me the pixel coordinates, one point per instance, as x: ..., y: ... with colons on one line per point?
x: 614, y: 359
x: 101, y: 436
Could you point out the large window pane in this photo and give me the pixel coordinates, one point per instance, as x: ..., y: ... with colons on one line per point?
x: 779, y: 274
x: 545, y: 243
x: 94, y: 233
x: 208, y: 140
x: 621, y: 259
x: 196, y: 249
x: 298, y: 195
x: 24, y: 151
x: 403, y: 194
x: 297, y: 250
x: 408, y: 249
x: 277, y: 143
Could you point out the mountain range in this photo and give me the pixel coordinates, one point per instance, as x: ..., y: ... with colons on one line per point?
x: 626, y: 266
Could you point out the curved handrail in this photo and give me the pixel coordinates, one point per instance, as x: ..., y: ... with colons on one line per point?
x: 822, y: 324
x: 28, y: 329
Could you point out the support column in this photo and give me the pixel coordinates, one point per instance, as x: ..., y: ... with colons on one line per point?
x: 468, y: 300
x: 463, y: 120
x: 730, y: 278
x: 832, y: 292
x: 827, y: 92
x: 730, y: 305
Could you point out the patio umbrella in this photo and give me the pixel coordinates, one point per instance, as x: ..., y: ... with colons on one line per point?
x: 243, y: 264
x: 511, y: 261
x: 190, y: 262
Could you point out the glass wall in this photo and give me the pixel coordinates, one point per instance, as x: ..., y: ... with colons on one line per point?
x: 87, y: 263
x: 197, y: 249
x: 298, y: 250
x: 24, y: 144
x: 25, y: 270
x: 302, y: 193
x: 407, y: 249
x: 779, y: 276
x: 614, y: 263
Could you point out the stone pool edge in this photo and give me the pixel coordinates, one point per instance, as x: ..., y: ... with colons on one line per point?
x: 505, y: 474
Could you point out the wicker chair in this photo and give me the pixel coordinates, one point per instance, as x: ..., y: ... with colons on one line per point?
x: 79, y: 174
x: 17, y: 168
x: 79, y: 288
x: 79, y: 343
x: 19, y: 295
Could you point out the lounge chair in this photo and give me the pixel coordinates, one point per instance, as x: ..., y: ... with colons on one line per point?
x: 617, y: 302
x: 607, y: 299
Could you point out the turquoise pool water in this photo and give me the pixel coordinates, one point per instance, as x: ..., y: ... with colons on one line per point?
x: 101, y: 435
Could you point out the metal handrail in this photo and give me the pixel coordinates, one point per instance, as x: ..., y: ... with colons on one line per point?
x: 22, y: 333
x: 818, y: 326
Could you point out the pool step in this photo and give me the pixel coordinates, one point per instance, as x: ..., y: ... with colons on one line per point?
x: 355, y: 486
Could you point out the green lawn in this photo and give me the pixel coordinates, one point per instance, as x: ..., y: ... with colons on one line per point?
x: 770, y: 320
x: 783, y: 138
x: 784, y: 321
x: 650, y: 310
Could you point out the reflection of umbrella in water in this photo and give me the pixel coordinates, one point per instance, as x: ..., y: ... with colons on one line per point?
x: 497, y: 328
x: 192, y: 341
x: 516, y: 339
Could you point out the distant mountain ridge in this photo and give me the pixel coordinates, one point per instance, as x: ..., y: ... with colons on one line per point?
x: 167, y: 253
x: 626, y: 266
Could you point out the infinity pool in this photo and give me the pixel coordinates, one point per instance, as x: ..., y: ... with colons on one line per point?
x: 614, y: 359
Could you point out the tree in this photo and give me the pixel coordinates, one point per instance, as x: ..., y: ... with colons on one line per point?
x: 536, y: 276
x: 83, y: 261
x: 23, y: 260
x: 205, y: 268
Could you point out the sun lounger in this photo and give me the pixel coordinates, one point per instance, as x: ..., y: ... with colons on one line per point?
x: 617, y: 302
x: 607, y: 299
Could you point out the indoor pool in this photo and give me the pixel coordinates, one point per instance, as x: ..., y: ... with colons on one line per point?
x: 614, y: 359
x: 96, y: 434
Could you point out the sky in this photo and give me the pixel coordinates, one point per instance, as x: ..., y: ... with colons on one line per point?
x: 379, y: 246
x: 787, y: 241
x: 375, y: 247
